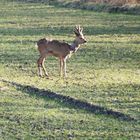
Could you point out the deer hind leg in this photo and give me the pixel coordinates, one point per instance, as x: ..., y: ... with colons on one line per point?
x: 44, y: 69
x: 39, y: 62
x: 41, y: 66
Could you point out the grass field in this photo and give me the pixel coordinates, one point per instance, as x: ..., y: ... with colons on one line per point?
x: 100, y: 99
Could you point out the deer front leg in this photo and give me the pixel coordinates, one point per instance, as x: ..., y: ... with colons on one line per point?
x: 61, y: 66
x: 40, y: 71
x: 64, y: 67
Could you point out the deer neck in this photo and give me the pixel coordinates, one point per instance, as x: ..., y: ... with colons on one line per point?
x: 74, y: 46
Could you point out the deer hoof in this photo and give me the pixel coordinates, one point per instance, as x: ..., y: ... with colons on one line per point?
x: 41, y: 76
x: 49, y: 78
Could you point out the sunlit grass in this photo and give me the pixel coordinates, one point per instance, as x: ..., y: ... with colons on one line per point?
x: 104, y: 72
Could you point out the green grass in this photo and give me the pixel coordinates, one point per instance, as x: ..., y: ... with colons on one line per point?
x: 99, y: 6
x: 104, y: 74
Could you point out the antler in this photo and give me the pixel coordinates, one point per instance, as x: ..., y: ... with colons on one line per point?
x: 78, y: 30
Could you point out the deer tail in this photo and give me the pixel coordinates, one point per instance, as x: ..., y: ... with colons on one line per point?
x: 36, y: 45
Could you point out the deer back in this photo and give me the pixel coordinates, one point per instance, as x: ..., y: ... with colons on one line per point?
x: 53, y: 47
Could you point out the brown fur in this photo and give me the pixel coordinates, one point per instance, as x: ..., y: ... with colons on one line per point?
x: 58, y: 49
x: 53, y: 47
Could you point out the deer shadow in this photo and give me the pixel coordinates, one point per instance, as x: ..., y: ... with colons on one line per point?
x: 70, y: 102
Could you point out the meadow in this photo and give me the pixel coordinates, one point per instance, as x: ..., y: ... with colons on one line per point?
x: 100, y: 98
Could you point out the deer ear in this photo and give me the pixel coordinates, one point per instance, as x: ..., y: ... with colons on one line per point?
x: 77, y: 34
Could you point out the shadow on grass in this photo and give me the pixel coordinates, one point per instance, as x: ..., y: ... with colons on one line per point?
x: 71, y: 102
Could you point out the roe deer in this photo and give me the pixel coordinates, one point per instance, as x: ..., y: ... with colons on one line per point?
x: 58, y: 49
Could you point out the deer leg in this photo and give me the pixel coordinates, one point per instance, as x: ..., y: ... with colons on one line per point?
x: 40, y: 63
x: 61, y: 66
x: 40, y: 71
x: 64, y: 67
x: 44, y: 69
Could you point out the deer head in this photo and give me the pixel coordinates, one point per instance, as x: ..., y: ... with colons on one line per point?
x: 79, y: 35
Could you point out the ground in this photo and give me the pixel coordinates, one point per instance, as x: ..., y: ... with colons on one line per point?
x: 100, y: 97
